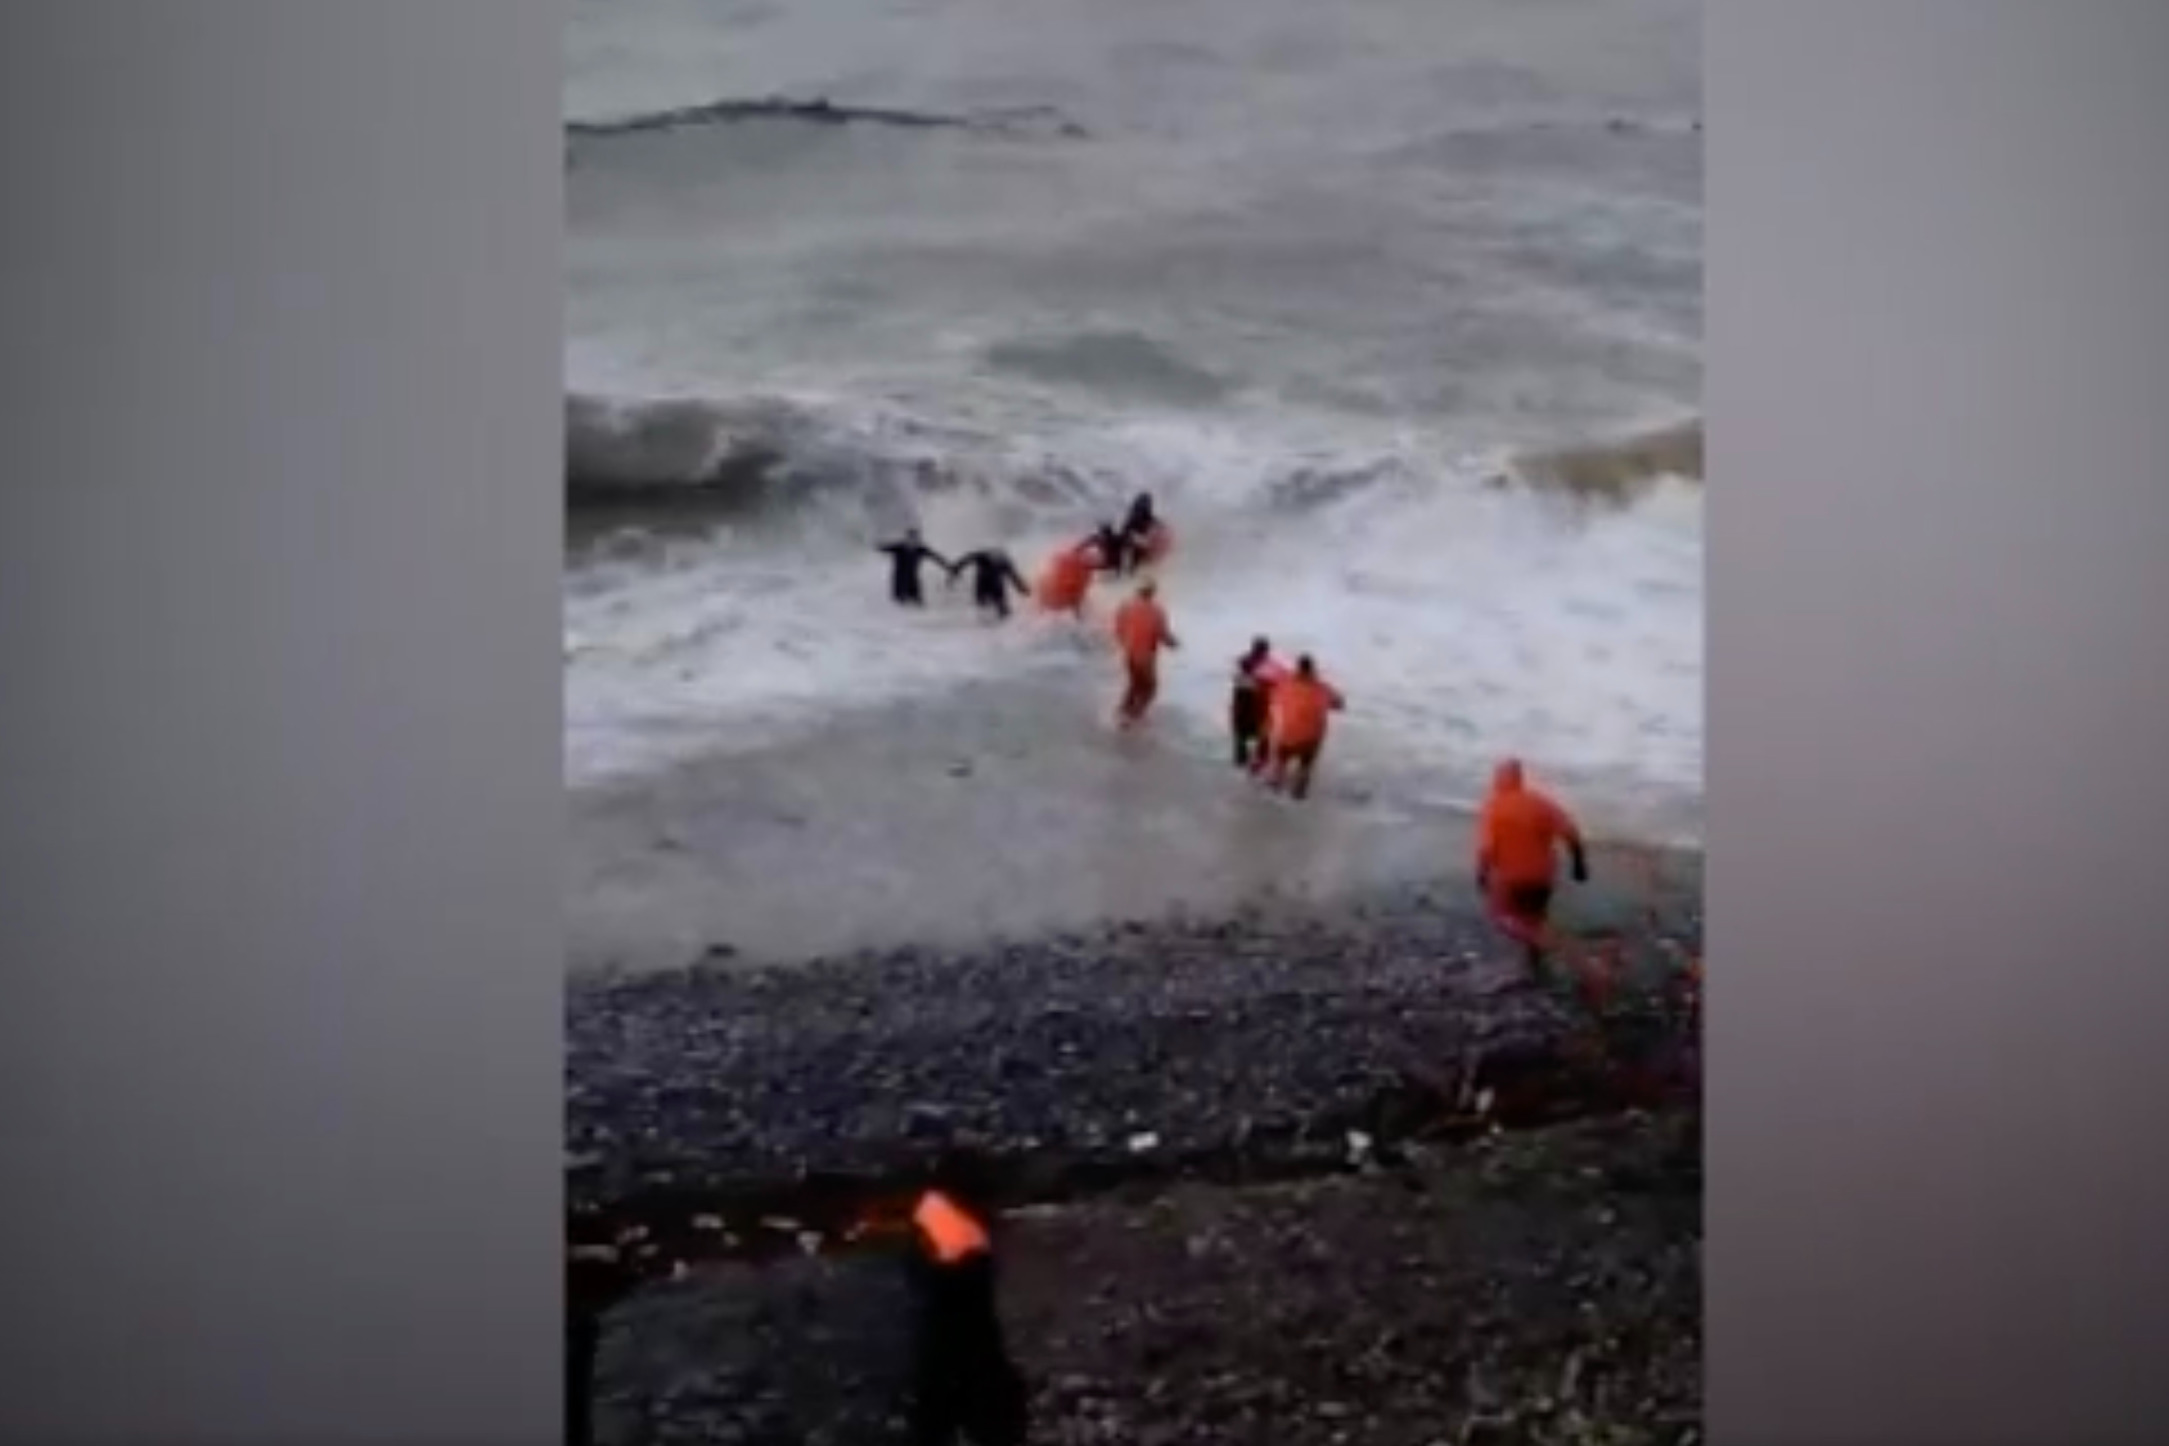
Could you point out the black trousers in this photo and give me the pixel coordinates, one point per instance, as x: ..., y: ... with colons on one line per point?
x: 980, y: 1399
x: 1246, y: 726
x: 582, y: 1333
x: 965, y: 1387
x: 1531, y: 903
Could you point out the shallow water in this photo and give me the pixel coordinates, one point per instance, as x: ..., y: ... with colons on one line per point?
x: 998, y: 810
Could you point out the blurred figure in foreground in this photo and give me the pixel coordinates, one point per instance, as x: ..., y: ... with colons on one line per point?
x: 965, y: 1386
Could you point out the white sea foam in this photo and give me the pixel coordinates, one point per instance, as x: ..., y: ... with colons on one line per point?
x: 1363, y: 256
x: 1464, y: 621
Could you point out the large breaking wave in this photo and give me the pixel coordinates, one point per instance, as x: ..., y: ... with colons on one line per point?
x: 767, y: 456
x: 1545, y: 602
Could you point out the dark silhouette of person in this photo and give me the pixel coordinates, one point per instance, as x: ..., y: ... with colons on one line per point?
x: 907, y: 556
x: 994, y: 574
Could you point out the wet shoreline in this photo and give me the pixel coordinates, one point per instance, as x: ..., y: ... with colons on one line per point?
x: 1005, y: 810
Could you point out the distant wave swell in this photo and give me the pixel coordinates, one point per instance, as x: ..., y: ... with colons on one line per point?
x: 767, y: 456
x: 1019, y: 123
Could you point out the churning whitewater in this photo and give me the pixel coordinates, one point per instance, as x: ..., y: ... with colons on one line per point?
x: 1340, y: 290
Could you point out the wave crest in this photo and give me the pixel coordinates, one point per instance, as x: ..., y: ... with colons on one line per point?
x: 769, y: 456
x: 1013, y: 123
x: 772, y: 457
x: 1619, y: 472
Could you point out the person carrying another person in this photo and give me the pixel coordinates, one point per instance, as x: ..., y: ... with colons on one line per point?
x: 1299, y: 707
x: 993, y: 575
x: 965, y: 1386
x: 906, y: 556
x: 1256, y: 671
x: 1141, y: 629
x: 1518, y: 836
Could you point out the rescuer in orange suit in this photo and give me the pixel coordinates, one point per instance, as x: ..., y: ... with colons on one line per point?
x: 1142, y: 631
x: 1066, y: 580
x: 1300, y: 708
x: 1518, y: 836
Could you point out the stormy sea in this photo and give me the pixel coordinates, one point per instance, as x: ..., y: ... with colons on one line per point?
x: 1395, y: 310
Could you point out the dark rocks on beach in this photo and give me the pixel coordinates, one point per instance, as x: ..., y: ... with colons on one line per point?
x: 1244, y: 1220
x: 1503, y: 1306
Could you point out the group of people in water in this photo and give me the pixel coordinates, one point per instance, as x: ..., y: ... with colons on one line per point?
x: 1279, y: 714
x: 1120, y: 549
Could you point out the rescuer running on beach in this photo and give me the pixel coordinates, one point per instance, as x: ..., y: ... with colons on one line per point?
x: 1518, y: 836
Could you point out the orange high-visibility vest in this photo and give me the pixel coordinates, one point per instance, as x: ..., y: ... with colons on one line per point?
x: 949, y: 1233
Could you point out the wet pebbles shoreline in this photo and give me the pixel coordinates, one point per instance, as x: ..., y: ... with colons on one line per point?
x: 1178, y: 1111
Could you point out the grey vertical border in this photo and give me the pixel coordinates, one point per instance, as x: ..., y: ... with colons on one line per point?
x: 1938, y: 389
x: 280, y: 847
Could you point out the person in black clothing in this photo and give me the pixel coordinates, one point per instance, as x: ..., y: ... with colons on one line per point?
x: 1139, y: 519
x: 1246, y: 706
x: 596, y: 1277
x: 1136, y: 533
x: 906, y: 557
x: 965, y: 1386
x: 1113, y: 546
x: 993, y: 575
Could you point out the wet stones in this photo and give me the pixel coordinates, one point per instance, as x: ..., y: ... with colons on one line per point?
x: 1236, y: 1109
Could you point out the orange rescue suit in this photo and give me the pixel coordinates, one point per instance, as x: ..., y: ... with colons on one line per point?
x: 1519, y: 832
x: 1301, y: 708
x: 1141, y: 628
x: 949, y: 1234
